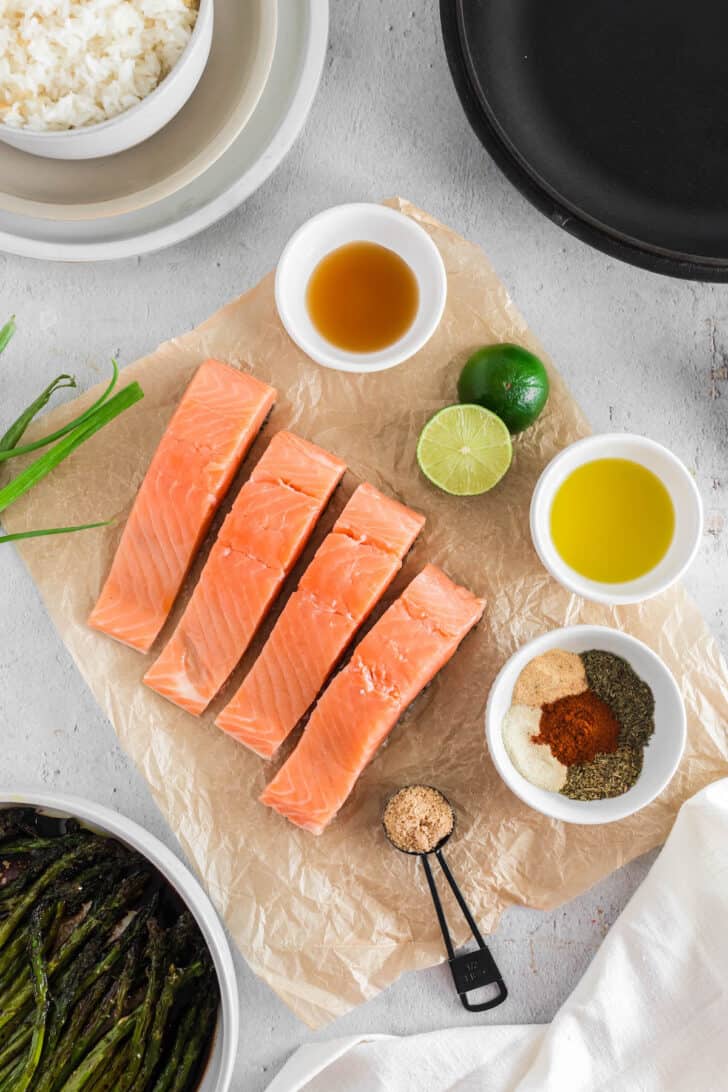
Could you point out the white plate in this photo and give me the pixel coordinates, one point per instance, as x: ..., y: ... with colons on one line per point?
x: 219, y: 1071
x: 273, y: 127
x: 239, y: 63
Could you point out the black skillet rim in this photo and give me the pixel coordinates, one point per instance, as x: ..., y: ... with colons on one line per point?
x: 667, y: 262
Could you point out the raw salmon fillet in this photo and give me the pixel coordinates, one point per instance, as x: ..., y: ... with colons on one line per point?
x: 258, y: 545
x: 399, y: 656
x: 349, y: 573
x: 208, y: 437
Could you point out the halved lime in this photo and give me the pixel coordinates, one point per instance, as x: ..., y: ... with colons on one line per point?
x: 464, y: 450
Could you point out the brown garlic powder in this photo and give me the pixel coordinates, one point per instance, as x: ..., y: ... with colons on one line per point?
x: 547, y: 678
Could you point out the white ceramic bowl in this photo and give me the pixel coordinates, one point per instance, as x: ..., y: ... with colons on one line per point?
x: 359, y: 223
x: 676, y: 479
x: 134, y: 125
x: 662, y: 754
x: 219, y: 1071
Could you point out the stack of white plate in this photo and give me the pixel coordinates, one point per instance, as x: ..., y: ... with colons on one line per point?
x: 250, y: 105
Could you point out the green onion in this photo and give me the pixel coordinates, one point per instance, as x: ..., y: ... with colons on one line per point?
x: 9, y: 450
x: 7, y: 332
x: 16, y: 430
x: 38, y: 469
x: 71, y: 435
x: 20, y: 535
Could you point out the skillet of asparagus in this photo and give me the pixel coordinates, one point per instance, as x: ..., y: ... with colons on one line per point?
x: 106, y: 983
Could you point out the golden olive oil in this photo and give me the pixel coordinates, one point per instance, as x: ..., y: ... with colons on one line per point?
x: 362, y: 297
x: 612, y: 520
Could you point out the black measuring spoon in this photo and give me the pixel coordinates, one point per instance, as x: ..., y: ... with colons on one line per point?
x: 471, y: 970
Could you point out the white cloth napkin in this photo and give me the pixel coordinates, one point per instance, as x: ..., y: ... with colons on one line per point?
x: 649, y: 1015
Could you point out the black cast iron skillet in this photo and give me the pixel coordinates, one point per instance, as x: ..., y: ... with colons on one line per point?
x: 610, y: 116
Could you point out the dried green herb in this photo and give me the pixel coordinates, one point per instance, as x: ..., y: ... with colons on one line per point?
x: 633, y: 704
x: 629, y: 697
x: 605, y: 776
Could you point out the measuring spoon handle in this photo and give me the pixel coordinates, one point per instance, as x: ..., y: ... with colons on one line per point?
x: 471, y: 970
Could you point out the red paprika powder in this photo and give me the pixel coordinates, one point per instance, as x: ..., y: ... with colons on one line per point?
x: 578, y: 727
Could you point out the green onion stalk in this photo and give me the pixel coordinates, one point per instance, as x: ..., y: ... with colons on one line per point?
x: 66, y: 439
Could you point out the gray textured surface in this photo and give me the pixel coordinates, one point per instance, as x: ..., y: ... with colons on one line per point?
x: 640, y: 352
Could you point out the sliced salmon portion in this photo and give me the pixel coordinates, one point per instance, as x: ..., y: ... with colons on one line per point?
x: 258, y: 545
x: 302, y: 465
x: 208, y: 437
x: 272, y: 522
x: 348, y: 575
x: 377, y: 520
x: 399, y: 656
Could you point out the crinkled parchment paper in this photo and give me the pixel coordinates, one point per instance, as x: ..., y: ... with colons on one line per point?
x: 329, y: 921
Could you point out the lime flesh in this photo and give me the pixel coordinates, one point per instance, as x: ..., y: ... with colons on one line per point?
x: 464, y: 450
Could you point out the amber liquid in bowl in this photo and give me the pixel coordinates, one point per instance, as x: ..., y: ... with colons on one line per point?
x: 362, y: 297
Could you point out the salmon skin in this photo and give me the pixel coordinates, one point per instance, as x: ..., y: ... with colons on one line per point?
x: 399, y: 656
x: 348, y: 575
x: 207, y: 439
x: 258, y: 545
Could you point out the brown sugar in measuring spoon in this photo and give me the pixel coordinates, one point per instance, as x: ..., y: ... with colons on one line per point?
x: 419, y: 820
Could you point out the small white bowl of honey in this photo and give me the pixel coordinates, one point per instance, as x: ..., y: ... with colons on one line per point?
x: 360, y: 288
x: 616, y: 518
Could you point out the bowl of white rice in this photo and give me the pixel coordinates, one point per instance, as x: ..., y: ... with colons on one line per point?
x: 81, y: 79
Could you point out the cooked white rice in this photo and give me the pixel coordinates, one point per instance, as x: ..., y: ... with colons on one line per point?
x: 68, y: 63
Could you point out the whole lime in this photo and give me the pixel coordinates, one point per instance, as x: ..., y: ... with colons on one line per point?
x: 508, y: 380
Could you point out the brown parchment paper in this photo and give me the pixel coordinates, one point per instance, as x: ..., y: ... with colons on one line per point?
x: 329, y: 921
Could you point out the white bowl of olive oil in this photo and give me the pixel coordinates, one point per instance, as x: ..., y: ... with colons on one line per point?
x: 360, y: 287
x: 616, y: 518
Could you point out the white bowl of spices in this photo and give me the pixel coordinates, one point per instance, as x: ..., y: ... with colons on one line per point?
x: 586, y: 724
x: 360, y: 288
